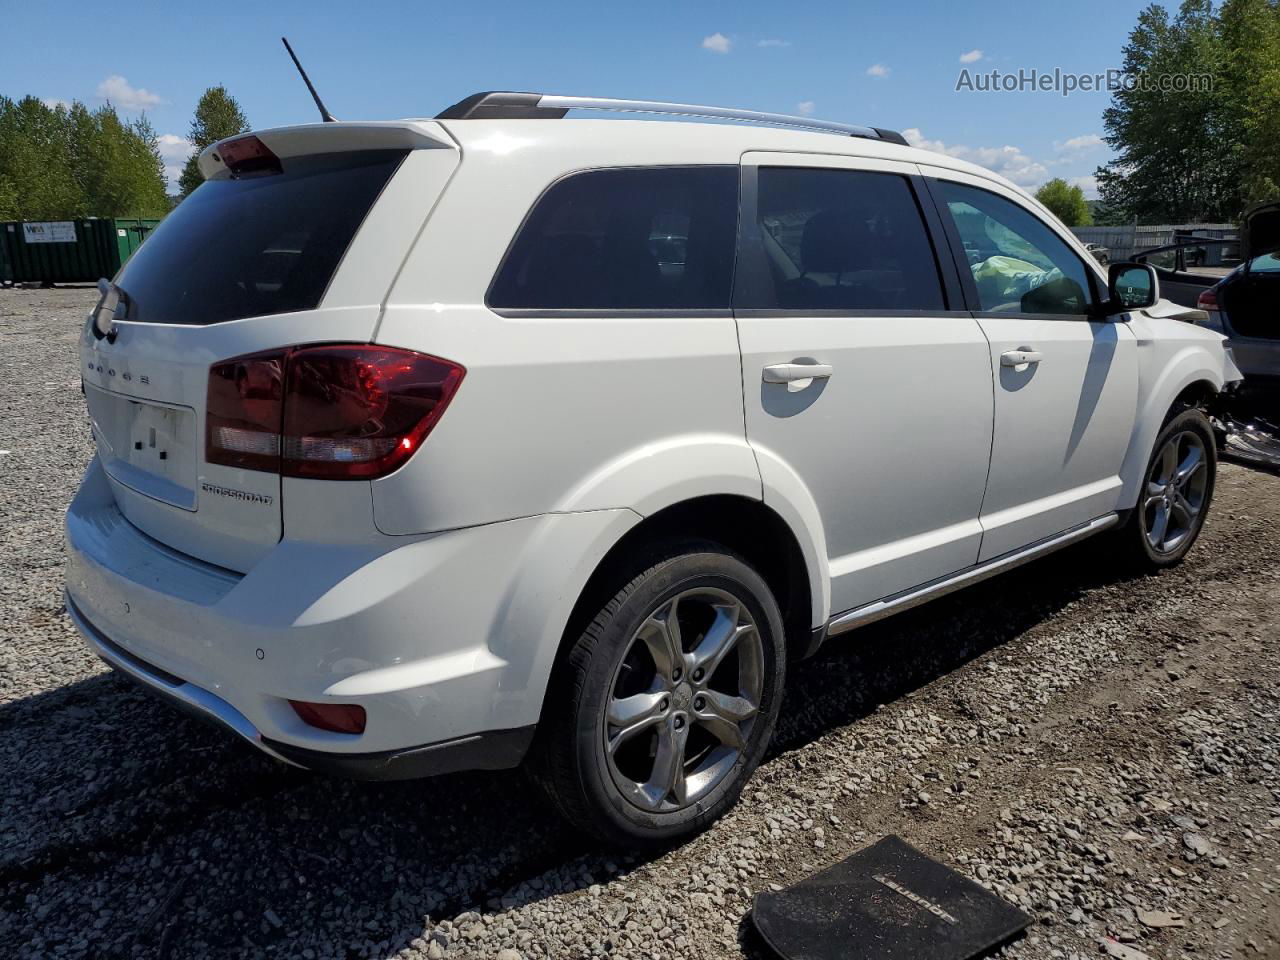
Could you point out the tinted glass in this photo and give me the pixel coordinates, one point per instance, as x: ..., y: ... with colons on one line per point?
x: 1267, y: 263
x: 659, y: 238
x: 1018, y: 263
x: 842, y: 240
x: 259, y: 245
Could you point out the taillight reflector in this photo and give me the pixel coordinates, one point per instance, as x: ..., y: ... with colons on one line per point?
x: 340, y: 412
x: 1208, y: 299
x: 338, y: 717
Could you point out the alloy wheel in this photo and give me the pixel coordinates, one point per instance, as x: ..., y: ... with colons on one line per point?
x: 1174, y: 495
x: 683, y: 699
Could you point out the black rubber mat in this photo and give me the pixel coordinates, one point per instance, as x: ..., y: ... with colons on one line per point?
x: 886, y: 902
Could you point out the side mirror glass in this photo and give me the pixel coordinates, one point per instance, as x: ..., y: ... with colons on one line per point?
x: 1132, y: 286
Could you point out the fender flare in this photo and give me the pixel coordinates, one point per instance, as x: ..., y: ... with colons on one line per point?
x: 1191, y: 364
x: 698, y: 465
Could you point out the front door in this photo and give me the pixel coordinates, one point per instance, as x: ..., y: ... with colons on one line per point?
x: 1066, y: 385
x: 866, y: 383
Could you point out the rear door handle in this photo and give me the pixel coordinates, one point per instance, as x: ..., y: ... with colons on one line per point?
x: 791, y: 372
x: 1019, y: 358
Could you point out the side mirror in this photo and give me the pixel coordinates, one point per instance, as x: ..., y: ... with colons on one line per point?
x: 1131, y: 286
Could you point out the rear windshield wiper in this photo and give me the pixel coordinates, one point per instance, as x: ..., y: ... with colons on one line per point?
x: 113, y: 306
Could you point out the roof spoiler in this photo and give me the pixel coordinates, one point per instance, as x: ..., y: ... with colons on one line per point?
x: 500, y: 105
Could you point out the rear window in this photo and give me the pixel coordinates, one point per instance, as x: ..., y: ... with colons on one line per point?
x: 656, y: 238
x: 258, y: 245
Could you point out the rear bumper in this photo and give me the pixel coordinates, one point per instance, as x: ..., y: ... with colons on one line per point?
x: 491, y: 750
x: 446, y: 640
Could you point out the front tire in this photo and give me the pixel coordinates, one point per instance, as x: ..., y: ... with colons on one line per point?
x: 1176, y: 492
x: 666, y: 702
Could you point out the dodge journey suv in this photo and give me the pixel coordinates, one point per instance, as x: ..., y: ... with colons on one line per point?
x: 502, y: 438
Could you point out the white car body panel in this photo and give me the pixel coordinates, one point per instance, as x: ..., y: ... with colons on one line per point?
x: 437, y: 597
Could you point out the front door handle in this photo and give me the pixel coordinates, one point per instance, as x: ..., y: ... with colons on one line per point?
x: 792, y: 372
x: 1020, y: 358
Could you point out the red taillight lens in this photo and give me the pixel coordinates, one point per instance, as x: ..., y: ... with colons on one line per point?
x: 244, y: 412
x: 1208, y: 300
x: 339, y: 412
x: 338, y: 717
x: 360, y: 411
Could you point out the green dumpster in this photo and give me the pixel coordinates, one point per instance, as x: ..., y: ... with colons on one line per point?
x: 69, y: 251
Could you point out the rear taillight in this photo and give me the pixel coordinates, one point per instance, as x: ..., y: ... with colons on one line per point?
x: 1208, y: 299
x: 338, y: 412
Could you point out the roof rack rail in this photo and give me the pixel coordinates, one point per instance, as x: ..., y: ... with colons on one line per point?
x: 498, y: 105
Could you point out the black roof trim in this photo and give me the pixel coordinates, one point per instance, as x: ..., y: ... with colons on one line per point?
x: 892, y: 136
x: 497, y: 105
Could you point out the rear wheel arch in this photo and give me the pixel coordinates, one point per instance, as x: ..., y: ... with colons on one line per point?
x: 747, y: 527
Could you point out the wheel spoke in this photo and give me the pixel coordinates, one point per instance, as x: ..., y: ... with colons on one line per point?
x: 1168, y: 460
x: 661, y: 634
x: 667, y: 779
x: 1182, y: 506
x: 722, y: 715
x: 721, y: 636
x: 1159, y: 527
x: 1191, y: 465
x: 626, y: 712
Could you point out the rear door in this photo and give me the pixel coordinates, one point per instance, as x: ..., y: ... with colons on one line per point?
x: 864, y: 378
x: 256, y: 261
x: 1066, y: 385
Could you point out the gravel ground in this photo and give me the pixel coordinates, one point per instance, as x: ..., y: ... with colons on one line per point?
x: 1097, y: 748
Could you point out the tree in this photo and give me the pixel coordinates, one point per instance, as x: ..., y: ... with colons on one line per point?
x: 218, y: 115
x: 1065, y: 202
x: 1251, y: 79
x: 1206, y: 152
x: 1171, y: 164
x: 63, y: 163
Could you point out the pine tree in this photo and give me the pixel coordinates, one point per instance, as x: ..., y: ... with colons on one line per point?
x: 218, y: 115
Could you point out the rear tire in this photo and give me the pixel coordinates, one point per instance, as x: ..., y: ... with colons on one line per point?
x: 650, y: 730
x: 1176, y: 492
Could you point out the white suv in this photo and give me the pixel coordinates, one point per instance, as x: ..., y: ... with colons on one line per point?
x: 441, y: 444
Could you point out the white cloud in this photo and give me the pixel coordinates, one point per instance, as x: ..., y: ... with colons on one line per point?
x: 717, y: 43
x: 1086, y: 141
x: 774, y: 43
x: 805, y: 107
x: 1008, y: 161
x: 1088, y: 184
x: 878, y: 70
x: 973, y: 56
x: 53, y: 103
x: 174, y: 151
x: 121, y: 93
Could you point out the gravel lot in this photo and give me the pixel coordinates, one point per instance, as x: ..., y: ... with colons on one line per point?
x: 1100, y: 749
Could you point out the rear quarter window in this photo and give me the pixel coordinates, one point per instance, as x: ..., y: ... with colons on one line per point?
x: 655, y: 238
x: 255, y: 246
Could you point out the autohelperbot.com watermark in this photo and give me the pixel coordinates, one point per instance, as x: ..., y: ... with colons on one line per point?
x: 1065, y: 82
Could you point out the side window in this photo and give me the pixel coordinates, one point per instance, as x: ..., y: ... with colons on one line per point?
x: 1019, y: 265
x: 656, y: 238
x: 842, y: 240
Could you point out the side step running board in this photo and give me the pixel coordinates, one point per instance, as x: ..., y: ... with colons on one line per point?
x: 878, y: 610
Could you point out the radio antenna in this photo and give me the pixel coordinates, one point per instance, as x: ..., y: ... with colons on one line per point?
x: 325, y: 115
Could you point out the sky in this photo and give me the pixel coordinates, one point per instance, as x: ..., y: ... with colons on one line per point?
x: 894, y: 65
